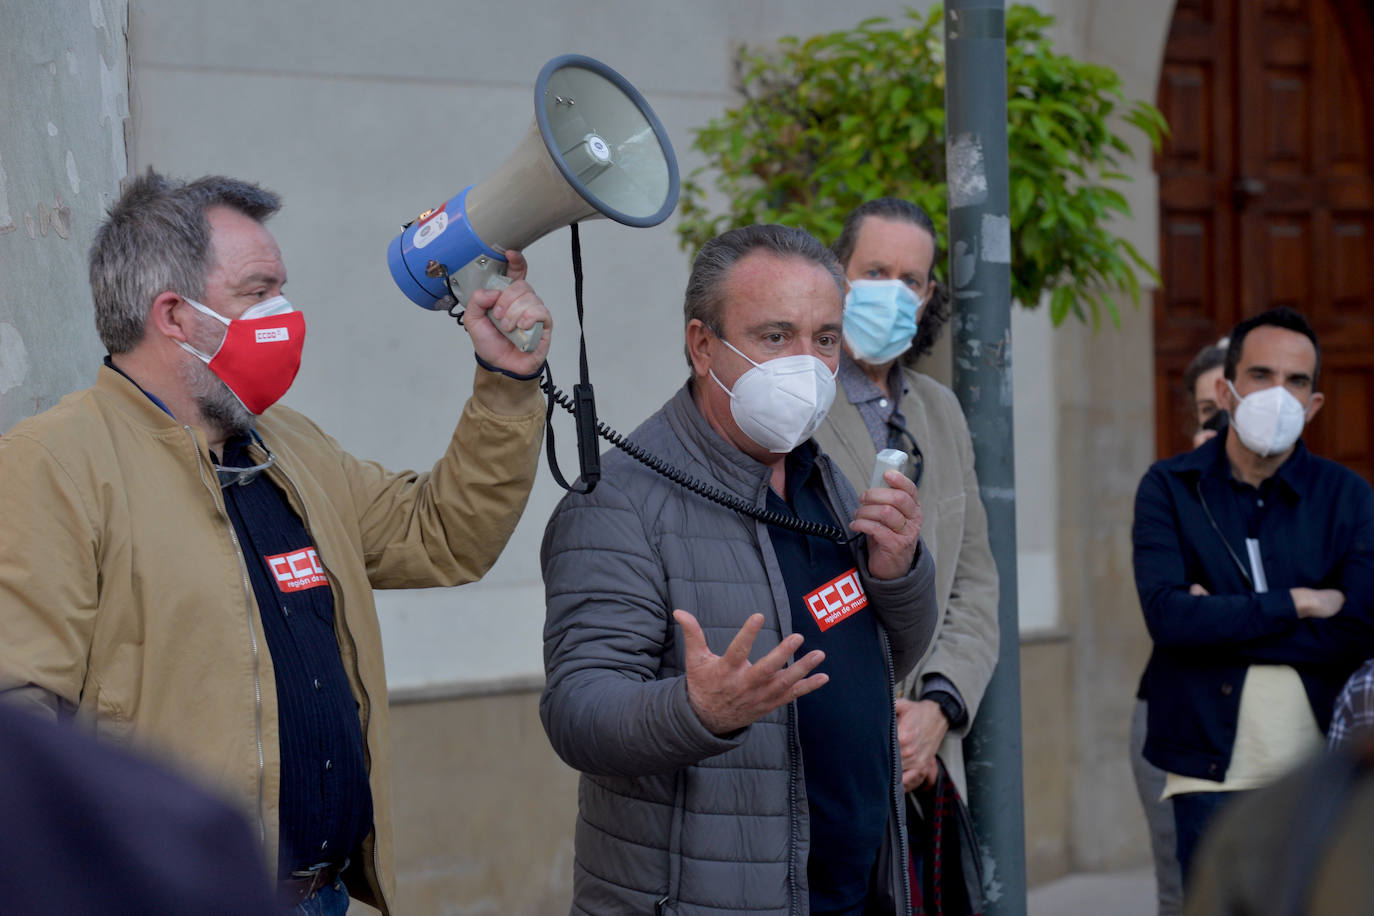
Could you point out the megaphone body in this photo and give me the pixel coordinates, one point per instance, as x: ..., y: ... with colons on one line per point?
x: 595, y: 149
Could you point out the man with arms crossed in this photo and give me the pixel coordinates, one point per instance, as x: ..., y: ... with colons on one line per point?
x: 1254, y: 560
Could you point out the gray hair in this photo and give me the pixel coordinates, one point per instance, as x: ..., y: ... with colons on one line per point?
x: 705, y: 287
x: 156, y: 238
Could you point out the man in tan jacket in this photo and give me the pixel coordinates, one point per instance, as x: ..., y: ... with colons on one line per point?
x: 894, y: 311
x: 188, y: 567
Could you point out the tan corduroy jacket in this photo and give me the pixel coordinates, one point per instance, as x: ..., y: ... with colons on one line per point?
x: 954, y: 527
x: 123, y: 590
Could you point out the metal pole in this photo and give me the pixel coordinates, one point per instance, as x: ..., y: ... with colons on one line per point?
x: 980, y: 282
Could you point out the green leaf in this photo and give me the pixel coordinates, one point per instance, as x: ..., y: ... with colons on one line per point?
x: 1023, y: 196
x: 1060, y: 302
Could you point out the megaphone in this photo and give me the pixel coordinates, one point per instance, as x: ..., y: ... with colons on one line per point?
x: 595, y: 149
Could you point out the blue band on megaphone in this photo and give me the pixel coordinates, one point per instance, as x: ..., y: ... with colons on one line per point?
x: 444, y: 235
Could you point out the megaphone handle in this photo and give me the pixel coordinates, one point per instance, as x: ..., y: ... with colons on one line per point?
x: 525, y: 341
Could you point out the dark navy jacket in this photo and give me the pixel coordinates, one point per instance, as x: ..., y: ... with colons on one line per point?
x: 1317, y: 531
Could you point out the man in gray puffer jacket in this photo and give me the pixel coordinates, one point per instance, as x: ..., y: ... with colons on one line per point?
x: 738, y: 782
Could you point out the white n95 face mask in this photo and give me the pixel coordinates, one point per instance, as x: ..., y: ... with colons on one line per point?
x: 1268, y: 421
x: 780, y: 403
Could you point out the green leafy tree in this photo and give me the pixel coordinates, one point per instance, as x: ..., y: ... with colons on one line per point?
x: 831, y: 121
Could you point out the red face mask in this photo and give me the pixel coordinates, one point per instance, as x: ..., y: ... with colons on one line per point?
x: 260, y: 354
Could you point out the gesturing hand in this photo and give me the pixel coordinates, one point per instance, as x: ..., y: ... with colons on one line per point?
x: 727, y: 692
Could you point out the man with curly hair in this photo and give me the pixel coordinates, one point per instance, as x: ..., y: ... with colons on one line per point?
x: 894, y: 313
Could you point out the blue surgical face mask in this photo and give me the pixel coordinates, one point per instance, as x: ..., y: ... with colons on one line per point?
x: 879, y: 319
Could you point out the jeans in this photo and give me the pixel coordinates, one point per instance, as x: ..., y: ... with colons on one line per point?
x: 330, y: 900
x: 1159, y: 817
x: 1193, y: 811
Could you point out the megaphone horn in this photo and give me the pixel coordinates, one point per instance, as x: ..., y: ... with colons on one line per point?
x: 595, y: 149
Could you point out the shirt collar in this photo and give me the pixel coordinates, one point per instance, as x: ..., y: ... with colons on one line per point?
x: 236, y: 448
x: 1295, y: 472
x: 800, y: 462
x: 1209, y: 460
x: 859, y: 388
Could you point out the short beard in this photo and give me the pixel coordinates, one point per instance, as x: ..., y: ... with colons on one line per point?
x: 219, y: 407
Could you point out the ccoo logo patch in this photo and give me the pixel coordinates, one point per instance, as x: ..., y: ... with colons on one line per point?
x: 297, y: 570
x: 837, y: 599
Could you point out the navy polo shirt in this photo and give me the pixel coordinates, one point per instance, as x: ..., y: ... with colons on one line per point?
x: 326, y: 801
x: 845, y: 726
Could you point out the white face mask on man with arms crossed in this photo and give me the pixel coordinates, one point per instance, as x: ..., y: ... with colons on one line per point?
x: 1268, y: 421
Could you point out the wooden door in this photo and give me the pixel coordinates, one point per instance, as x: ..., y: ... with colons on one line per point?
x: 1267, y: 198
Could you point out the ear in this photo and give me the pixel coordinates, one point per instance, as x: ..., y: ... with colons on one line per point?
x: 700, y: 346
x: 166, y: 319
x: 1318, y: 399
x: 1225, y: 399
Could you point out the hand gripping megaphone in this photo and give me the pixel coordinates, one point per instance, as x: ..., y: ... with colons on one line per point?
x: 595, y: 149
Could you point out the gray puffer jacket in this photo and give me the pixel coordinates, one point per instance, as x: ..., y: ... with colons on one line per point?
x: 673, y: 819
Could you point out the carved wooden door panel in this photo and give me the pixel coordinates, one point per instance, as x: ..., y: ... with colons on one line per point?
x: 1267, y: 198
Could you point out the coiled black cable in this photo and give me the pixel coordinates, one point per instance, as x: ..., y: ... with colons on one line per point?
x: 677, y: 476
